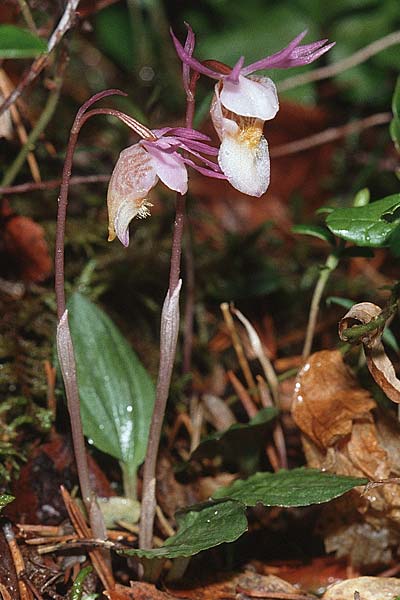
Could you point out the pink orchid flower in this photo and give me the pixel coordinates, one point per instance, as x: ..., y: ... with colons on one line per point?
x: 155, y: 157
x: 242, y: 103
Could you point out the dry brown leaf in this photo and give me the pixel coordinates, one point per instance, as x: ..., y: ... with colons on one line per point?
x: 379, y: 364
x: 343, y: 435
x: 139, y: 590
x: 327, y: 399
x: 369, y: 588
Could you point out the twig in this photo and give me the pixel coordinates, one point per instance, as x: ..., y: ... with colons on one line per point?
x: 64, y: 24
x: 324, y: 274
x: 41, y: 124
x: 6, y: 88
x: 277, y: 433
x: 342, y: 65
x: 26, y: 13
x: 330, y: 134
x: 18, y: 560
x: 51, y: 184
x: 237, y: 345
x: 83, y: 532
x: 258, y: 349
x: 244, y: 395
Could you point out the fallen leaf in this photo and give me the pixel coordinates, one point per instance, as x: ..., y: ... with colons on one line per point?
x: 139, y: 590
x: 369, y: 588
x: 344, y: 433
x: 328, y: 398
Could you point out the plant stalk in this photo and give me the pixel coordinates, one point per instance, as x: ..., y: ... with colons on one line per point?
x: 330, y: 265
x: 64, y: 341
x: 168, y: 341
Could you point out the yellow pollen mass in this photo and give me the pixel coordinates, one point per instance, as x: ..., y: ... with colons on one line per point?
x: 251, y: 136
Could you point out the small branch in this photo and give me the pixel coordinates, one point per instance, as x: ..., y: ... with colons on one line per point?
x: 342, y: 65
x: 26, y: 13
x: 40, y: 63
x: 41, y: 124
x: 237, y: 344
x: 51, y: 184
x: 6, y: 88
x: 328, y: 135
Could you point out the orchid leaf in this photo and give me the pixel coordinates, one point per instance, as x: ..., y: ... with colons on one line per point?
x: 370, y: 225
x: 117, y: 394
x: 200, y: 528
x: 317, y: 231
x: 298, y: 487
x: 240, y: 444
x: 16, y: 42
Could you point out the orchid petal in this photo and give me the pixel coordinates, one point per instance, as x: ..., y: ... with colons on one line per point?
x: 275, y: 60
x: 191, y: 145
x: 207, y: 162
x: 293, y: 55
x: 221, y: 124
x: 196, y: 65
x: 251, y: 97
x: 131, y: 180
x: 170, y: 168
x: 189, y: 47
x: 233, y: 76
x: 205, y: 171
x: 246, y: 168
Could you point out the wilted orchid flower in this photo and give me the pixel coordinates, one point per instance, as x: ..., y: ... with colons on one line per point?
x: 242, y: 103
x: 140, y: 166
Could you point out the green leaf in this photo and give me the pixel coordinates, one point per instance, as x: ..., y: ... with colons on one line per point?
x: 4, y: 500
x: 20, y: 43
x: 117, y: 394
x: 317, y: 231
x: 77, y: 588
x: 362, y: 198
x: 369, y: 225
x: 396, y: 100
x: 240, y: 444
x: 298, y: 487
x: 202, y: 527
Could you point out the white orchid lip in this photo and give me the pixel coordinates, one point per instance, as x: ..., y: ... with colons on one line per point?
x: 251, y: 97
x: 243, y: 155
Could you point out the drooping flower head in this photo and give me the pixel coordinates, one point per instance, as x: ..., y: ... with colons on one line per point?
x: 155, y: 157
x: 242, y: 103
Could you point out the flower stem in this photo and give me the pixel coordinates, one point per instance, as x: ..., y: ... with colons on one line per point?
x: 168, y: 341
x: 64, y: 342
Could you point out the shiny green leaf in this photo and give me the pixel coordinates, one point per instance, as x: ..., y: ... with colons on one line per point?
x: 298, y: 487
x: 117, y: 394
x: 200, y: 528
x: 370, y: 225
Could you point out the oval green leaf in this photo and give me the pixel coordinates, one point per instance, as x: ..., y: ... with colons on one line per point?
x: 298, y: 487
x: 20, y: 43
x: 370, y: 225
x: 200, y: 528
x: 117, y: 394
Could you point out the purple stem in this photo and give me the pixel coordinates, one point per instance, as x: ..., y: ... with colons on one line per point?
x: 66, y: 350
x: 168, y: 341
